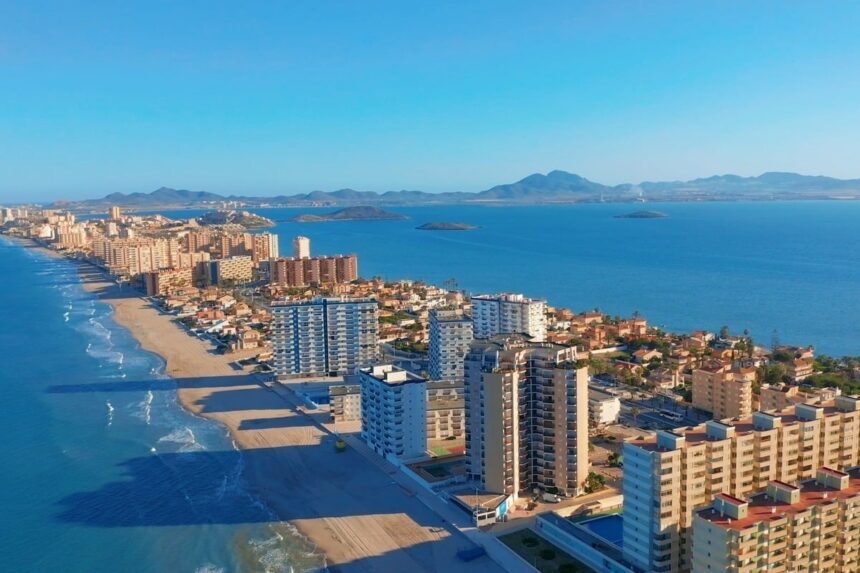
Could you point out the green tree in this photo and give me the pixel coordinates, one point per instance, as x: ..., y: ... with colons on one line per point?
x: 594, y: 482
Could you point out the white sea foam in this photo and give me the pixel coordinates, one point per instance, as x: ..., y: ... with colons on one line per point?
x: 147, y: 407
x: 109, y: 412
x: 209, y: 568
x: 66, y: 316
x: 183, y: 437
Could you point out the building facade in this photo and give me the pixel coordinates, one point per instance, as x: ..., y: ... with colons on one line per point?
x: 526, y: 416
x: 300, y: 272
x: 812, y: 526
x: 324, y: 336
x: 301, y: 247
x: 450, y: 333
x: 393, y: 412
x: 345, y: 403
x: 603, y: 408
x: 445, y: 409
x: 509, y: 314
x: 669, y: 476
x: 719, y: 389
x: 233, y: 269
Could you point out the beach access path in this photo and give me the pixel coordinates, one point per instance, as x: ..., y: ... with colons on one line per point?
x: 354, y: 512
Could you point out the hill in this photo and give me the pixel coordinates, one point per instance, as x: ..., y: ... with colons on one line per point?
x: 553, y: 187
x: 351, y: 214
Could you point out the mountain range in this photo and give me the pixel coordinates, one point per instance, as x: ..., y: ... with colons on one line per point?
x: 552, y: 187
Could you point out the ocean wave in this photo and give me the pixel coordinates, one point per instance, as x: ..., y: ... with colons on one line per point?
x: 110, y: 410
x: 209, y: 568
x: 183, y: 437
x: 144, y: 408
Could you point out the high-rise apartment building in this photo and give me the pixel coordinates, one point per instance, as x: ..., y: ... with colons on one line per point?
x: 509, y: 314
x: 294, y: 272
x: 669, y: 476
x: 723, y: 390
x: 115, y: 213
x: 301, y: 247
x: 526, y: 416
x: 324, y: 336
x: 393, y: 411
x: 265, y: 247
x: 232, y: 269
x: 445, y: 409
x: 813, y: 526
x: 450, y: 334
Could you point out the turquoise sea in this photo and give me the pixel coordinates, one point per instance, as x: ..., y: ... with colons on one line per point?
x: 789, y: 267
x: 103, y: 471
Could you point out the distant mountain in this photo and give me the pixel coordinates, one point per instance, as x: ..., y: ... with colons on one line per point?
x: 553, y: 187
x: 161, y: 196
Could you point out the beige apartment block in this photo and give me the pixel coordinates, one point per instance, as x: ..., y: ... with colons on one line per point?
x: 445, y: 409
x: 725, y: 392
x: 785, y: 395
x: 526, y: 416
x: 671, y: 475
x: 813, y: 526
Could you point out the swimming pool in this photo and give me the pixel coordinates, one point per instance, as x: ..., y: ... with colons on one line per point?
x: 609, y: 527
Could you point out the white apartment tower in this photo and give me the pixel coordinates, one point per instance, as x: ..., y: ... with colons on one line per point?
x: 526, y: 416
x: 301, y: 248
x: 509, y: 314
x: 324, y: 336
x: 450, y: 337
x: 393, y: 412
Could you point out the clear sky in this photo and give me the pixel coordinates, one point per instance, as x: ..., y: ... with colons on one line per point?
x: 283, y: 97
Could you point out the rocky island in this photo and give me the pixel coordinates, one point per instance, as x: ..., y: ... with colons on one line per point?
x: 444, y: 226
x: 244, y: 218
x: 351, y: 214
x: 643, y: 215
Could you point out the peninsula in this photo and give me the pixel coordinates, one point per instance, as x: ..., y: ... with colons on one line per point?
x: 351, y: 214
x: 444, y: 226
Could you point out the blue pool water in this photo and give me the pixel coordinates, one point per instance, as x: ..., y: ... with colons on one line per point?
x: 609, y: 527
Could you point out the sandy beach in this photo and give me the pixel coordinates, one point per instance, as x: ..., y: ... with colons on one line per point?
x: 344, y: 503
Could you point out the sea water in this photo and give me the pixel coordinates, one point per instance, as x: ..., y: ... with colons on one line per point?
x: 102, y: 469
x: 781, y: 270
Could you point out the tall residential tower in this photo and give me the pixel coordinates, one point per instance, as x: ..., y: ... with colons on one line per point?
x: 450, y: 338
x: 509, y: 314
x: 324, y: 336
x: 526, y: 416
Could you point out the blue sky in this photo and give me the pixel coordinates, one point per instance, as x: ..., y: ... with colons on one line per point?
x: 284, y: 97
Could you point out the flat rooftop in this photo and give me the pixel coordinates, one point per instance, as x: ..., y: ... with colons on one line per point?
x: 762, y: 507
x: 743, y: 426
x: 480, y: 500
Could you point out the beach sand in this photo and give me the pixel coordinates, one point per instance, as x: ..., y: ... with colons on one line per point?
x: 348, y: 506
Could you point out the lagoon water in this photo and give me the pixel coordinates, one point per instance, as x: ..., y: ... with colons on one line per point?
x: 103, y: 470
x: 789, y: 267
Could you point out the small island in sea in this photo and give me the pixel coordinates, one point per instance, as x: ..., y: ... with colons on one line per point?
x: 445, y: 226
x: 351, y: 214
x: 244, y: 218
x: 643, y: 215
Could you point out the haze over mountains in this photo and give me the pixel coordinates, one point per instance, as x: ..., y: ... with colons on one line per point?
x: 553, y: 187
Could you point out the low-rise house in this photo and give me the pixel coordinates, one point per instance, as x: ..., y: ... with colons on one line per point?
x: 645, y: 355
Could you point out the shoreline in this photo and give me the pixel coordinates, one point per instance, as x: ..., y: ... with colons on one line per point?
x: 344, y: 505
